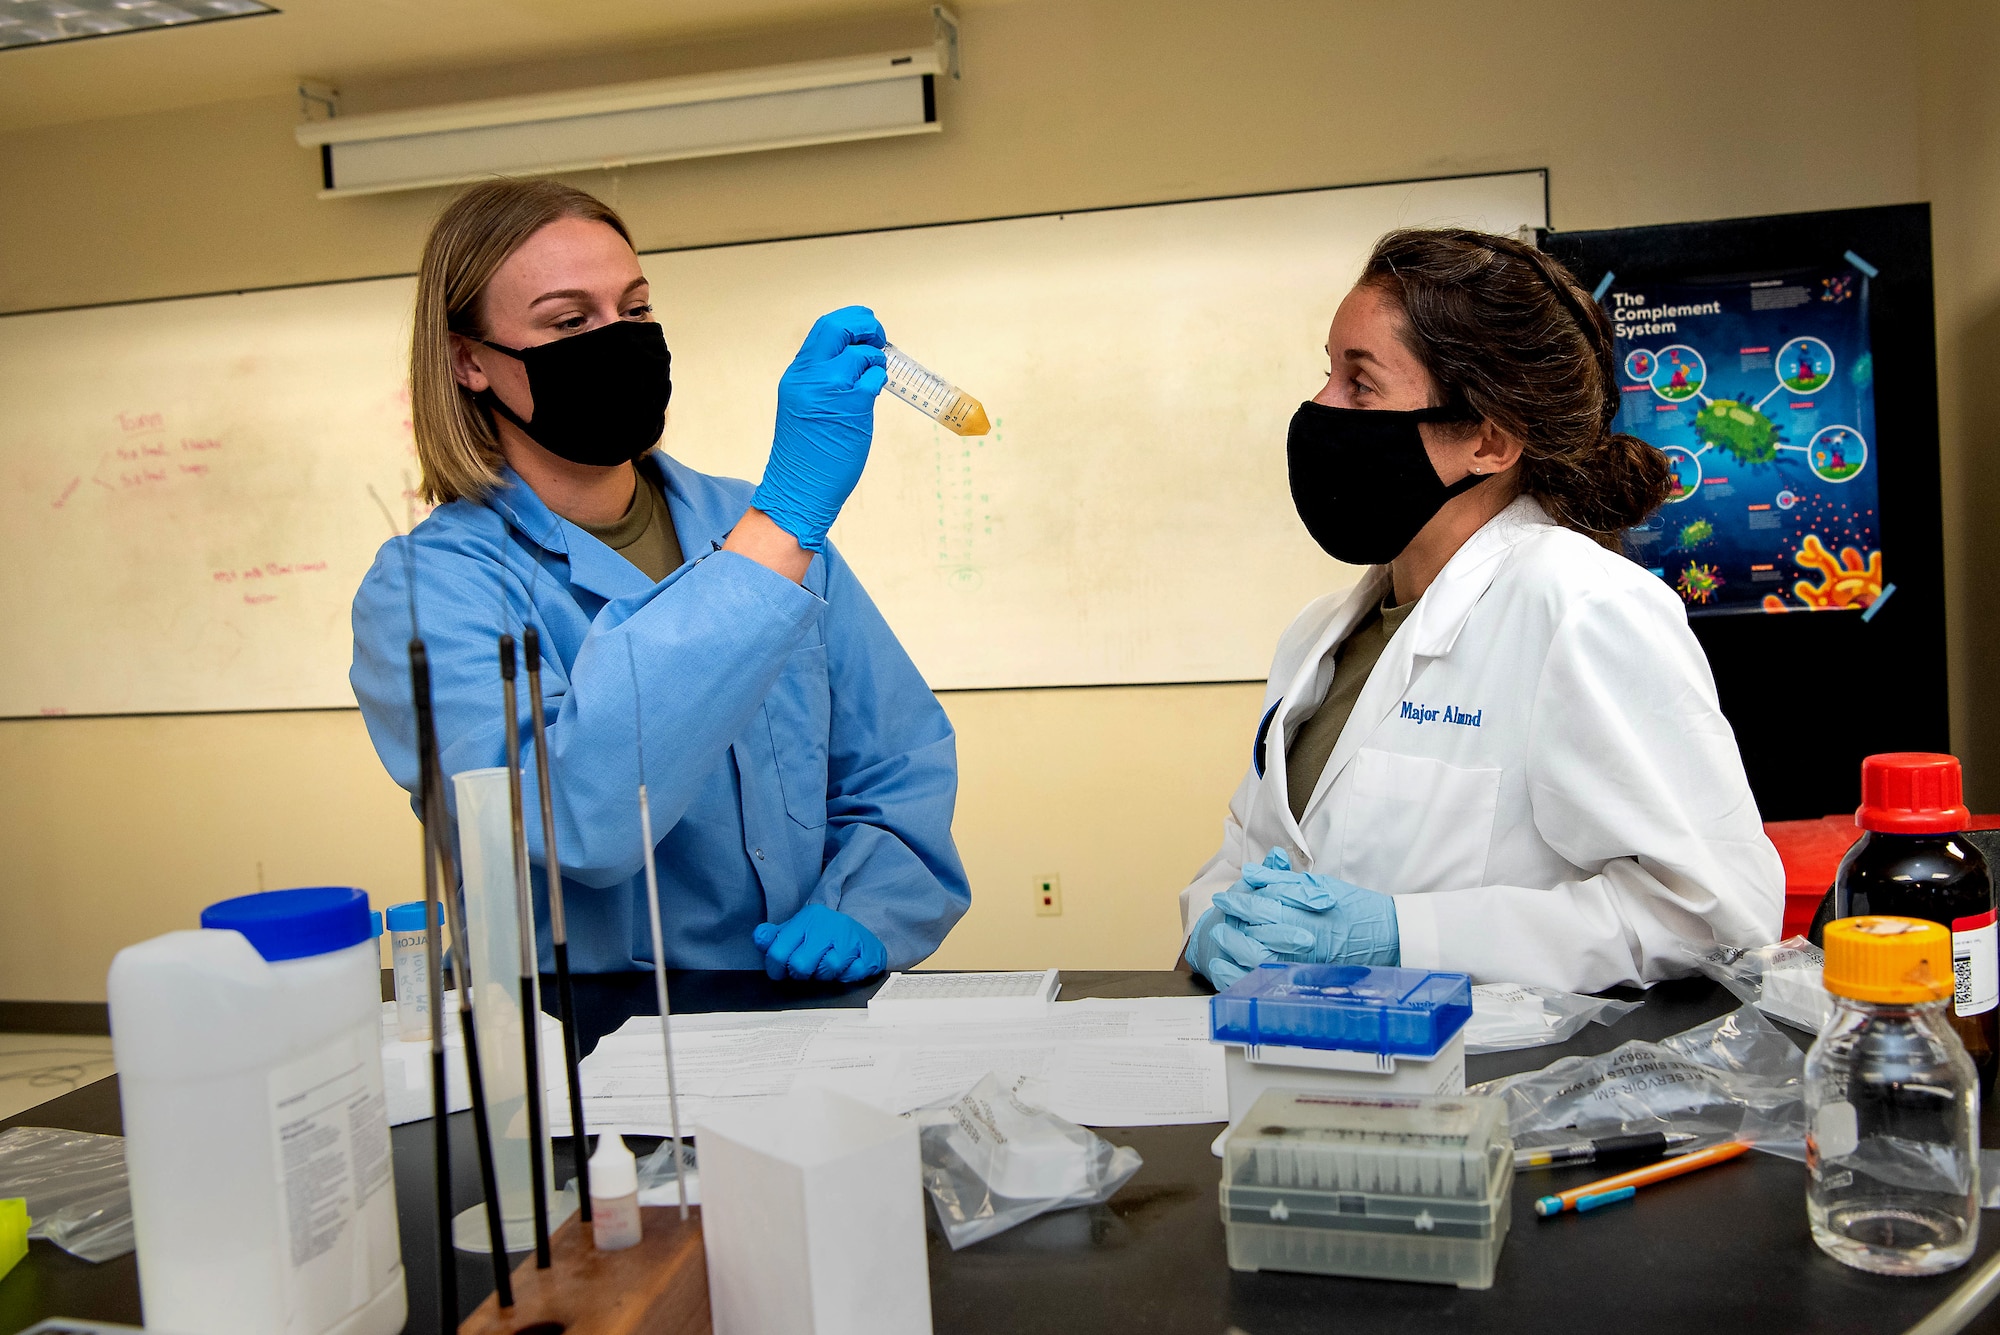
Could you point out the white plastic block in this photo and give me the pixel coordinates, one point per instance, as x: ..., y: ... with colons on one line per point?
x: 813, y: 1219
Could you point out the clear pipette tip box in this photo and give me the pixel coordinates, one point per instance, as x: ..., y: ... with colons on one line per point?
x: 945, y: 998
x: 1382, y: 1187
x: 1393, y: 1012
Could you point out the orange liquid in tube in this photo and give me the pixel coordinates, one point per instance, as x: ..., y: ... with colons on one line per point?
x: 934, y: 396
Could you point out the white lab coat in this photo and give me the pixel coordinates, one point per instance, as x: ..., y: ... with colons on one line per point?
x: 1536, y: 768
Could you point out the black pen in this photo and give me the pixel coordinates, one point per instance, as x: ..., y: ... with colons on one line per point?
x: 1642, y: 1148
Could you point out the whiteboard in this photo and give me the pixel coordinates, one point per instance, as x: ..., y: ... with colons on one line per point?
x: 188, y: 481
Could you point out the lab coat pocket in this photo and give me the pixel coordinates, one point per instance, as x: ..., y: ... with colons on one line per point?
x: 800, y: 712
x: 1416, y: 824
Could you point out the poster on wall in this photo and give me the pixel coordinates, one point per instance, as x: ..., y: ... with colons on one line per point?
x: 1760, y: 391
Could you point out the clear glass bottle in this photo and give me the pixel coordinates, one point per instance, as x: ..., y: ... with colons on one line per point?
x: 1892, y: 1105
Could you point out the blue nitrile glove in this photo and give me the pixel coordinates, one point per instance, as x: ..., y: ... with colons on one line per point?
x: 1224, y: 946
x: 1335, y: 923
x: 826, y: 419
x: 819, y: 942
x: 1222, y: 949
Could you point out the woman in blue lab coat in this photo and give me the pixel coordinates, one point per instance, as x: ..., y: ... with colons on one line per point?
x: 801, y: 771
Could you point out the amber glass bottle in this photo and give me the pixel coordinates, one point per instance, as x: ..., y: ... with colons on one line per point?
x: 1914, y: 862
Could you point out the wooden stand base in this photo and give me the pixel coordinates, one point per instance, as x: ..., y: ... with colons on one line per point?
x: 659, y: 1287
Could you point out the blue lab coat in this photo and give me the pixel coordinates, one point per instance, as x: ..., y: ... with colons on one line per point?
x: 793, y: 754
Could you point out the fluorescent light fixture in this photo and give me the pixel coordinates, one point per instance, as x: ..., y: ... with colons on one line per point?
x: 40, y: 22
x: 659, y: 120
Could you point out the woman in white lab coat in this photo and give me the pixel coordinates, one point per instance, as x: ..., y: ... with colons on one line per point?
x: 1500, y: 753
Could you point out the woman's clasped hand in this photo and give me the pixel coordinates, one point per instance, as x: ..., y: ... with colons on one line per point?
x: 1276, y: 913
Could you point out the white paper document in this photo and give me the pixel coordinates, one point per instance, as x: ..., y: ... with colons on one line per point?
x: 1141, y: 1062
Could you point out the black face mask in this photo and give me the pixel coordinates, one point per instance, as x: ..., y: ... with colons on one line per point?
x: 1362, y: 480
x: 601, y: 397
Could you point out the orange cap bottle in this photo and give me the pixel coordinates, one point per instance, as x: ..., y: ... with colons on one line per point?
x: 1894, y: 961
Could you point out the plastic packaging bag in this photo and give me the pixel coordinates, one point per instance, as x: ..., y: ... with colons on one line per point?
x: 1989, y: 1179
x: 75, y: 1187
x: 991, y: 1161
x: 1738, y: 1077
x: 1506, y: 1016
x: 657, y: 1173
x: 1783, y: 980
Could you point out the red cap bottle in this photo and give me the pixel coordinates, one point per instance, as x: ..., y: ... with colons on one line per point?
x: 1912, y: 792
x: 1913, y: 862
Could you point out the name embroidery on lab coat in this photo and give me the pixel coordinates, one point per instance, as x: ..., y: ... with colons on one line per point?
x: 1422, y: 714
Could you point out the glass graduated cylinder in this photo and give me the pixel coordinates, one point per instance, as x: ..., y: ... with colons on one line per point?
x: 934, y: 396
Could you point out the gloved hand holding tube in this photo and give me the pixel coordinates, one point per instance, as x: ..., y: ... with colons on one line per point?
x: 1276, y: 913
x: 826, y: 421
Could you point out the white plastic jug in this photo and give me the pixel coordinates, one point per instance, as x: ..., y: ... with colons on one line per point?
x: 257, y: 1139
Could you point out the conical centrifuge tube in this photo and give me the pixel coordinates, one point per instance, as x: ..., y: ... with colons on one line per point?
x: 934, y: 396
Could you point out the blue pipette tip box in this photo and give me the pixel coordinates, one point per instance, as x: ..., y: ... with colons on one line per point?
x: 1361, y: 1008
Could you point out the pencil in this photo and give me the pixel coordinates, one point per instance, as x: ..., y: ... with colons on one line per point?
x: 1606, y: 1191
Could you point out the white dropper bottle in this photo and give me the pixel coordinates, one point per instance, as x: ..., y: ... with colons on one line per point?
x: 614, y: 1195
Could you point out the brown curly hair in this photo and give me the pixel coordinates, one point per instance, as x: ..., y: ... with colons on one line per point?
x: 1508, y: 331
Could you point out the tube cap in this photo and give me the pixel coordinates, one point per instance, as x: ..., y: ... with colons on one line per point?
x: 1912, y: 792
x: 408, y: 917
x: 292, y: 924
x: 1900, y: 961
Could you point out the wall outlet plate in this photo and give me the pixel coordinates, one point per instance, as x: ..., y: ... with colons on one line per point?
x: 1048, y: 896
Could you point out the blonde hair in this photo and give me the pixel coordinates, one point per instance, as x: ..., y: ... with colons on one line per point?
x: 456, y: 445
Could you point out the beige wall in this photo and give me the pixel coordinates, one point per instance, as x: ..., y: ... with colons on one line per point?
x: 128, y: 826
x: 117, y: 829
x: 1961, y: 176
